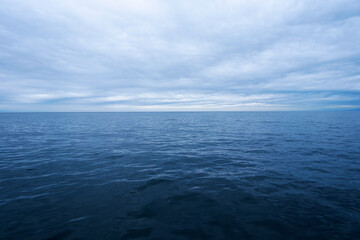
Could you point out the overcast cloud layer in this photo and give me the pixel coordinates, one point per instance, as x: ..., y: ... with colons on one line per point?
x: 149, y: 55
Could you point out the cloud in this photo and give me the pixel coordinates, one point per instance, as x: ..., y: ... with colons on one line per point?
x: 179, y: 55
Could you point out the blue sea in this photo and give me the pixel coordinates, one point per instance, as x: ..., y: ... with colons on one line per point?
x: 180, y: 175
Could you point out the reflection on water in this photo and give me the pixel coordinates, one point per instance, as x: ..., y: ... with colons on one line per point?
x: 225, y: 175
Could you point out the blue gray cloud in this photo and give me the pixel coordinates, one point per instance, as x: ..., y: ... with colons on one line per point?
x: 157, y: 55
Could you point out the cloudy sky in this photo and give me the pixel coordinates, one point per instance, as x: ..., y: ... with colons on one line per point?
x: 177, y: 55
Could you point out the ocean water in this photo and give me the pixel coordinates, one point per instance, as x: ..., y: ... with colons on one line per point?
x: 209, y: 175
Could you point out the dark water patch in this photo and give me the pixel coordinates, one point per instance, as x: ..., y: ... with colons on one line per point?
x: 317, y: 169
x: 137, y: 233
x: 153, y: 182
x: 192, y: 233
x: 266, y: 190
x: 60, y: 236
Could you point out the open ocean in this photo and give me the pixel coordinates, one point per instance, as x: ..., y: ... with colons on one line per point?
x: 195, y: 175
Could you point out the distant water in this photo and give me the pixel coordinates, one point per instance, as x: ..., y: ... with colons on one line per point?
x: 223, y: 175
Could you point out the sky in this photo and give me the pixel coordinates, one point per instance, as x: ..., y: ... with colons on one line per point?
x: 167, y: 55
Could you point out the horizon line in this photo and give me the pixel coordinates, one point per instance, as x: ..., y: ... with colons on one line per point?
x: 205, y: 111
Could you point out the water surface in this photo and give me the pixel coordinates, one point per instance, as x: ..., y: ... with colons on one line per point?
x: 210, y: 175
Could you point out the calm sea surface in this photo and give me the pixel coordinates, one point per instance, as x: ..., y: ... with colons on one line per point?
x: 211, y: 175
